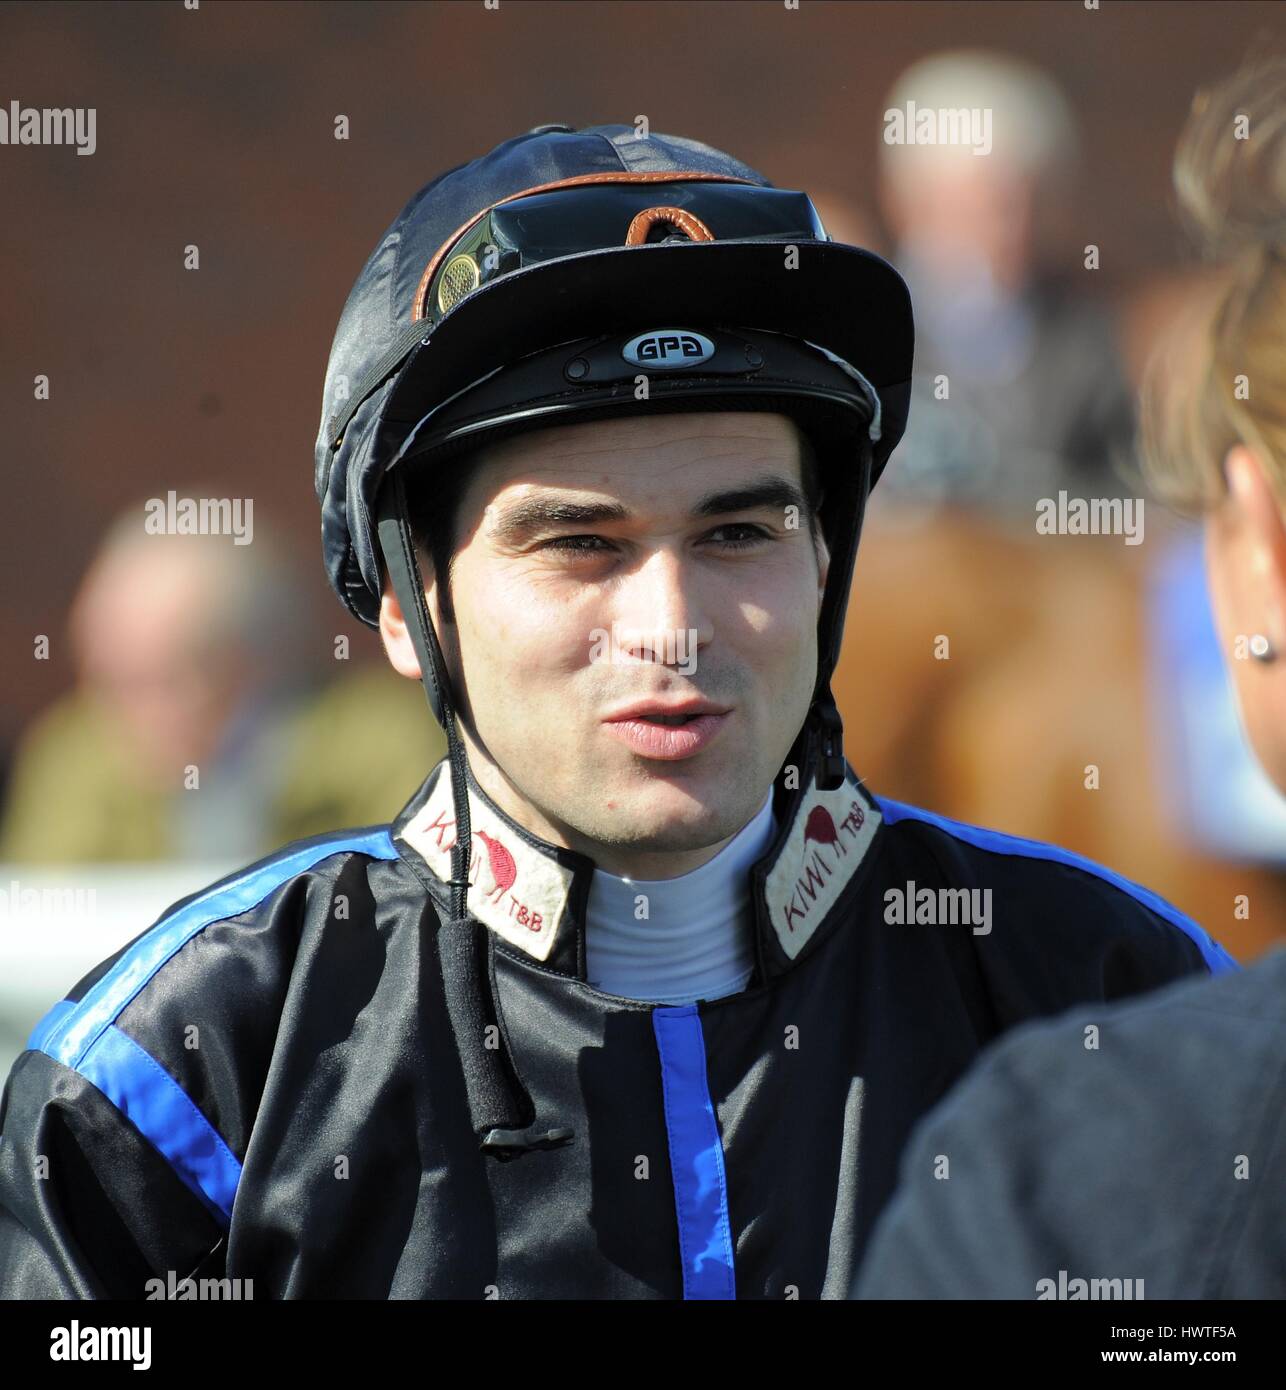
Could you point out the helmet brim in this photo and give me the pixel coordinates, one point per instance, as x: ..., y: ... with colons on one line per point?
x: 842, y: 298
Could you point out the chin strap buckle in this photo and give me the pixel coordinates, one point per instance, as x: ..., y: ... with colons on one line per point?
x: 831, y: 771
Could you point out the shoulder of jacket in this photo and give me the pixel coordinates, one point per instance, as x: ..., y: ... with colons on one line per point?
x: 72, y: 1026
x: 1016, y: 865
x: 151, y: 1061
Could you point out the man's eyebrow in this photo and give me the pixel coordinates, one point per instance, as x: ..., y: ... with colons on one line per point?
x: 534, y: 514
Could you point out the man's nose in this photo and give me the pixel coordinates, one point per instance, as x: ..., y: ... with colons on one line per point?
x: 660, y: 612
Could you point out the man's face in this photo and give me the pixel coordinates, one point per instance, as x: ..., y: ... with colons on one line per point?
x: 687, y: 591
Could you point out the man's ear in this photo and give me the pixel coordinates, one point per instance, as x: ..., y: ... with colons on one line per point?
x: 393, y: 632
x: 823, y: 565
x: 400, y: 650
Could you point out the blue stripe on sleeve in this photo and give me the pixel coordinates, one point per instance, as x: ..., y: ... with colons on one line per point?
x: 159, y: 1108
x: 49, y: 1025
x: 105, y: 1000
x: 696, y: 1156
x: 82, y: 1035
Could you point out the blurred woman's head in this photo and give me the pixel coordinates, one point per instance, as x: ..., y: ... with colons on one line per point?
x: 1214, y: 402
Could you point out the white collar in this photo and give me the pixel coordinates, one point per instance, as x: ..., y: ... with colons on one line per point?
x: 677, y: 940
x: 533, y: 894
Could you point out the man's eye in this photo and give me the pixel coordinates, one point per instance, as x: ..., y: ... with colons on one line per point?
x: 755, y: 534
x: 575, y: 545
x: 570, y: 544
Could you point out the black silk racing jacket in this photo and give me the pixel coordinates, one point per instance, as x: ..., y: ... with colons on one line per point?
x: 264, y: 1085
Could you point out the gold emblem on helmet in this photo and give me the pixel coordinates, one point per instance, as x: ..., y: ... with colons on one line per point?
x: 459, y: 277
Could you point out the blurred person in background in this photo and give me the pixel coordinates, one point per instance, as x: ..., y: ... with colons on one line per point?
x: 1142, y: 1148
x: 196, y: 726
x: 1038, y: 398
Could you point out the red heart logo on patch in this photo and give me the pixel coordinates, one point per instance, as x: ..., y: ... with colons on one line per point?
x: 820, y: 827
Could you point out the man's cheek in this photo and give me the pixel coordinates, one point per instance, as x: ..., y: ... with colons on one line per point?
x: 498, y: 633
x: 524, y: 669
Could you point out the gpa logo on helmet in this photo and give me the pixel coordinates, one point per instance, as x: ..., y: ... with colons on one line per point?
x: 668, y: 348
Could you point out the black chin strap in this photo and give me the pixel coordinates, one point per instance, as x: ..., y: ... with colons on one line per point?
x: 499, y: 1104
x: 829, y: 731
x: 853, y: 489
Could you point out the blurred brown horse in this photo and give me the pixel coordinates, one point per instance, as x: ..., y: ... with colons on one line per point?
x: 1047, y: 673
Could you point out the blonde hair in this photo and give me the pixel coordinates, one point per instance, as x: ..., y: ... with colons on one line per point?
x: 1230, y: 179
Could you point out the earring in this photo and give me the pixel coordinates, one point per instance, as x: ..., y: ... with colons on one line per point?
x: 1262, y: 649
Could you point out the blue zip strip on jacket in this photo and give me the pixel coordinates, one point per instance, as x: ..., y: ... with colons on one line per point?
x: 1214, y: 955
x: 696, y: 1156
x: 82, y: 1035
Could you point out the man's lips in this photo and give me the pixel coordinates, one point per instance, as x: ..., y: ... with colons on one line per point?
x: 668, y: 742
x: 643, y: 709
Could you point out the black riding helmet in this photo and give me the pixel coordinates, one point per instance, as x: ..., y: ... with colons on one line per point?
x: 576, y: 275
